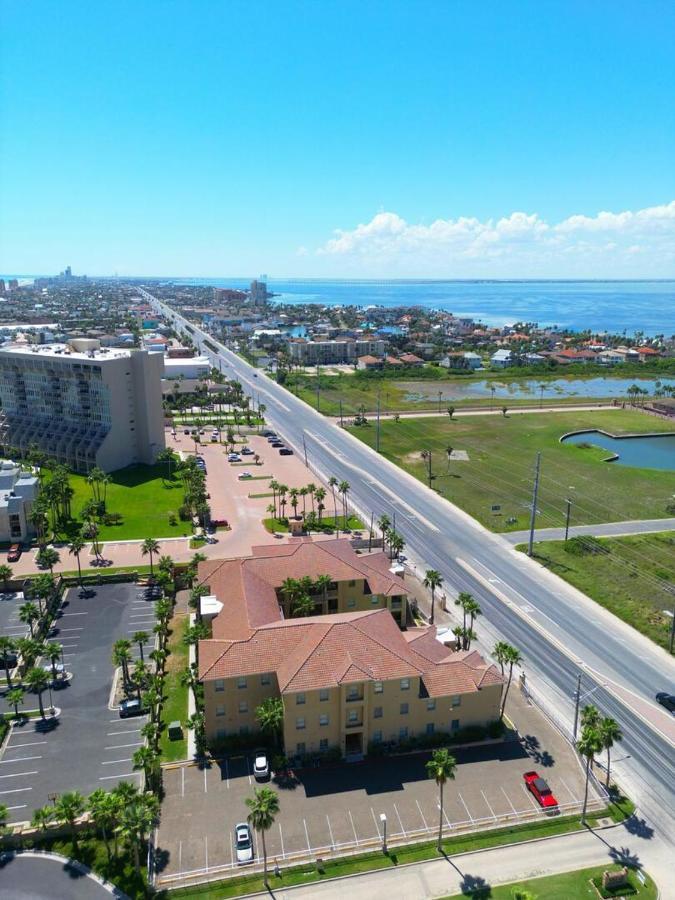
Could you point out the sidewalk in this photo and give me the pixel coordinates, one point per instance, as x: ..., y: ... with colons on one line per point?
x: 605, y: 529
x: 500, y: 865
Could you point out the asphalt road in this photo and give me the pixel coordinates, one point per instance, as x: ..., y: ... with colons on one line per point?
x: 607, y: 529
x: 559, y: 634
x: 29, y: 876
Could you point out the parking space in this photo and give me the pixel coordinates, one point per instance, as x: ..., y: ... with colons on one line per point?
x: 10, y: 624
x: 87, y: 745
x: 333, y: 809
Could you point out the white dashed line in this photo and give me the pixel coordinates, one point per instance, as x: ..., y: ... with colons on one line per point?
x: 4, y: 762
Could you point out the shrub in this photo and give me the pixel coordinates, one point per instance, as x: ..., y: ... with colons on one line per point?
x: 173, y: 519
x: 583, y: 546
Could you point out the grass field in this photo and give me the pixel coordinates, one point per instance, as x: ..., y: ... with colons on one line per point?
x: 500, y: 467
x: 626, y: 580
x: 328, y: 522
x: 176, y: 704
x: 566, y: 886
x: 144, y: 497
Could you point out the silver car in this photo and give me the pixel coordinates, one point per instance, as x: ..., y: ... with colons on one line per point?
x: 243, y: 842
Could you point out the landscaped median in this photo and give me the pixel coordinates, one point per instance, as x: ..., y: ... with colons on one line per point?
x: 175, y: 706
x: 315, y: 870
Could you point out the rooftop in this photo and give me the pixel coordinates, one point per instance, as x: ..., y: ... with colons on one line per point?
x: 65, y: 351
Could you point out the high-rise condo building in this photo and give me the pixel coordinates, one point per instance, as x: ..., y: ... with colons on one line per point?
x: 82, y: 405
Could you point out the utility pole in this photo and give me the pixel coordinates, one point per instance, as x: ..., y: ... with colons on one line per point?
x: 377, y: 428
x: 567, y: 517
x: 535, y: 491
x: 429, y: 474
x: 577, y: 698
x: 440, y: 397
x: 318, y: 389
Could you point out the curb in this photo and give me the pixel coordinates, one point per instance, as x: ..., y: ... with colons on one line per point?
x: 68, y: 862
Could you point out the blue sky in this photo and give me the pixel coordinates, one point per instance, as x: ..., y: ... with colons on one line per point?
x: 338, y: 138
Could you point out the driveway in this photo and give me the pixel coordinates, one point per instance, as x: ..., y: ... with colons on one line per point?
x: 47, y: 877
x: 87, y: 746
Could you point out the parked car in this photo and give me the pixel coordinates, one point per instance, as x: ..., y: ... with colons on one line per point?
x: 268, y: 433
x: 214, y: 438
x: 261, y: 767
x: 243, y: 842
x: 285, y: 451
x: 246, y: 451
x: 59, y: 667
x: 233, y: 457
x: 666, y: 700
x: 129, y: 708
x: 277, y: 443
x: 242, y: 476
x: 14, y: 553
x: 219, y: 523
x: 540, y: 790
x: 186, y: 431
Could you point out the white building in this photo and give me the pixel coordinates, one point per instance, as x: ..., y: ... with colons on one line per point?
x: 194, y: 367
x: 82, y: 405
x: 18, y: 490
x: 501, y: 359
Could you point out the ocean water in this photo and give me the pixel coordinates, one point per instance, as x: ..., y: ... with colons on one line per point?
x: 613, y: 306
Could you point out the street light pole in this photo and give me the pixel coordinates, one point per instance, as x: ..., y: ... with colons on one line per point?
x: 377, y: 428
x: 533, y: 515
x: 567, y: 517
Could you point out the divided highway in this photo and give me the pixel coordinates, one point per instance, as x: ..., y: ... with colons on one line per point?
x: 559, y: 633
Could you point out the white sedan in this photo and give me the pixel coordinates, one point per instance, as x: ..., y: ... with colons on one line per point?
x: 243, y: 842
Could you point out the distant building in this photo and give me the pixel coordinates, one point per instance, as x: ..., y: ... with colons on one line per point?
x: 258, y: 293
x: 370, y: 362
x: 18, y: 491
x: 2, y: 286
x: 82, y: 405
x: 501, y: 359
x: 197, y: 367
x: 409, y: 359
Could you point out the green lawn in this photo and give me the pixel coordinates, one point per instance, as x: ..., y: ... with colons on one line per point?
x: 176, y: 703
x: 612, y: 580
x: 568, y: 886
x: 353, y: 522
x: 144, y: 496
x: 500, y: 467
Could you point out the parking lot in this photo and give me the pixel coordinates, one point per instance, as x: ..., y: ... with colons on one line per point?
x: 10, y: 625
x: 338, y: 808
x: 87, y: 745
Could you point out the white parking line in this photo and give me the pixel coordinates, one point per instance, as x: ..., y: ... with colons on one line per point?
x: 465, y: 806
x: 123, y: 746
x: 206, y: 790
x: 309, y: 846
x: 18, y: 759
x: 31, y: 744
x: 530, y: 797
x: 73, y: 628
x: 17, y: 790
x: 330, y: 831
x: 119, y: 777
x: 63, y: 615
x: 180, y: 857
x: 21, y: 806
x: 227, y: 774
x: 130, y: 731
x: 19, y: 774
x: 509, y: 802
x: 248, y: 766
x: 114, y: 762
x: 565, y: 785
x: 182, y: 781
x: 377, y: 827
x: 400, y: 821
x: 281, y: 838
x: 356, y: 837
x: 421, y: 813
x: 492, y: 812
x: 206, y: 851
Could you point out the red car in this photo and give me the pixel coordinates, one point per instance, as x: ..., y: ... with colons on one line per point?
x: 14, y: 553
x: 539, y: 788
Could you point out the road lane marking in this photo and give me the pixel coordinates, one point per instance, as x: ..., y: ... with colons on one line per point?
x: 21, y: 806
x: 119, y: 777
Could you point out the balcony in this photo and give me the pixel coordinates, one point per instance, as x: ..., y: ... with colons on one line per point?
x: 358, y: 724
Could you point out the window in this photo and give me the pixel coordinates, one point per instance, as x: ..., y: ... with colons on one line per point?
x: 377, y: 712
x: 220, y: 710
x: 430, y: 727
x: 243, y: 706
x: 402, y: 734
x: 405, y: 684
x: 377, y: 737
x: 299, y: 699
x: 454, y: 726
x: 219, y: 685
x: 353, y: 716
x: 456, y: 701
x: 374, y: 600
x: 323, y: 744
x: 300, y: 748
x: 353, y: 693
x: 300, y: 723
x: 241, y: 682
x: 323, y: 719
x: 378, y: 687
x: 351, y: 602
x: 404, y: 709
x: 323, y: 694
x: 265, y: 679
x: 431, y: 705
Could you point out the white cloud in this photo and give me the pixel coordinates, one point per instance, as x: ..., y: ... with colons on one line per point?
x: 521, y: 244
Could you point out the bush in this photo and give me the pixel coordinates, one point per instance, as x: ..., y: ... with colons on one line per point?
x: 173, y: 519
x: 185, y: 513
x: 234, y: 743
x: 583, y: 546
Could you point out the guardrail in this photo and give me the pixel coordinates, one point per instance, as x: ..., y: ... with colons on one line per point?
x: 356, y: 847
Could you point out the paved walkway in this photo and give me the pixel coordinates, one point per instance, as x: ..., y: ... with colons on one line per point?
x: 501, y: 865
x: 482, y: 411
x: 605, y: 529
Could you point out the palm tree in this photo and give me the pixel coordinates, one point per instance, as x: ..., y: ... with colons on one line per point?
x: 303, y: 606
x: 332, y: 484
x: 500, y: 652
x: 472, y: 610
x: 29, y: 615
x: 148, y: 548
x: 145, y: 758
x: 190, y: 680
x: 54, y: 652
x: 193, y: 635
x: 5, y: 574
x: 270, y: 715
x: 76, y: 547
x: 441, y: 767
x: 322, y: 583
x: 590, y: 715
x: 104, y: 808
x: 121, y: 656
x: 7, y: 648
x: 343, y: 488
x: 432, y: 580
x: 49, y: 557
x: 264, y: 806
x: 166, y: 456
x: 588, y: 745
x: 464, y: 599
x: 512, y: 658
x: 140, y: 637
x: 68, y: 808
x: 38, y: 681
x: 384, y: 524
x: 138, y: 817
x: 42, y: 817
x: 610, y: 733
x: 16, y: 698
x: 290, y: 588
x: 320, y: 496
